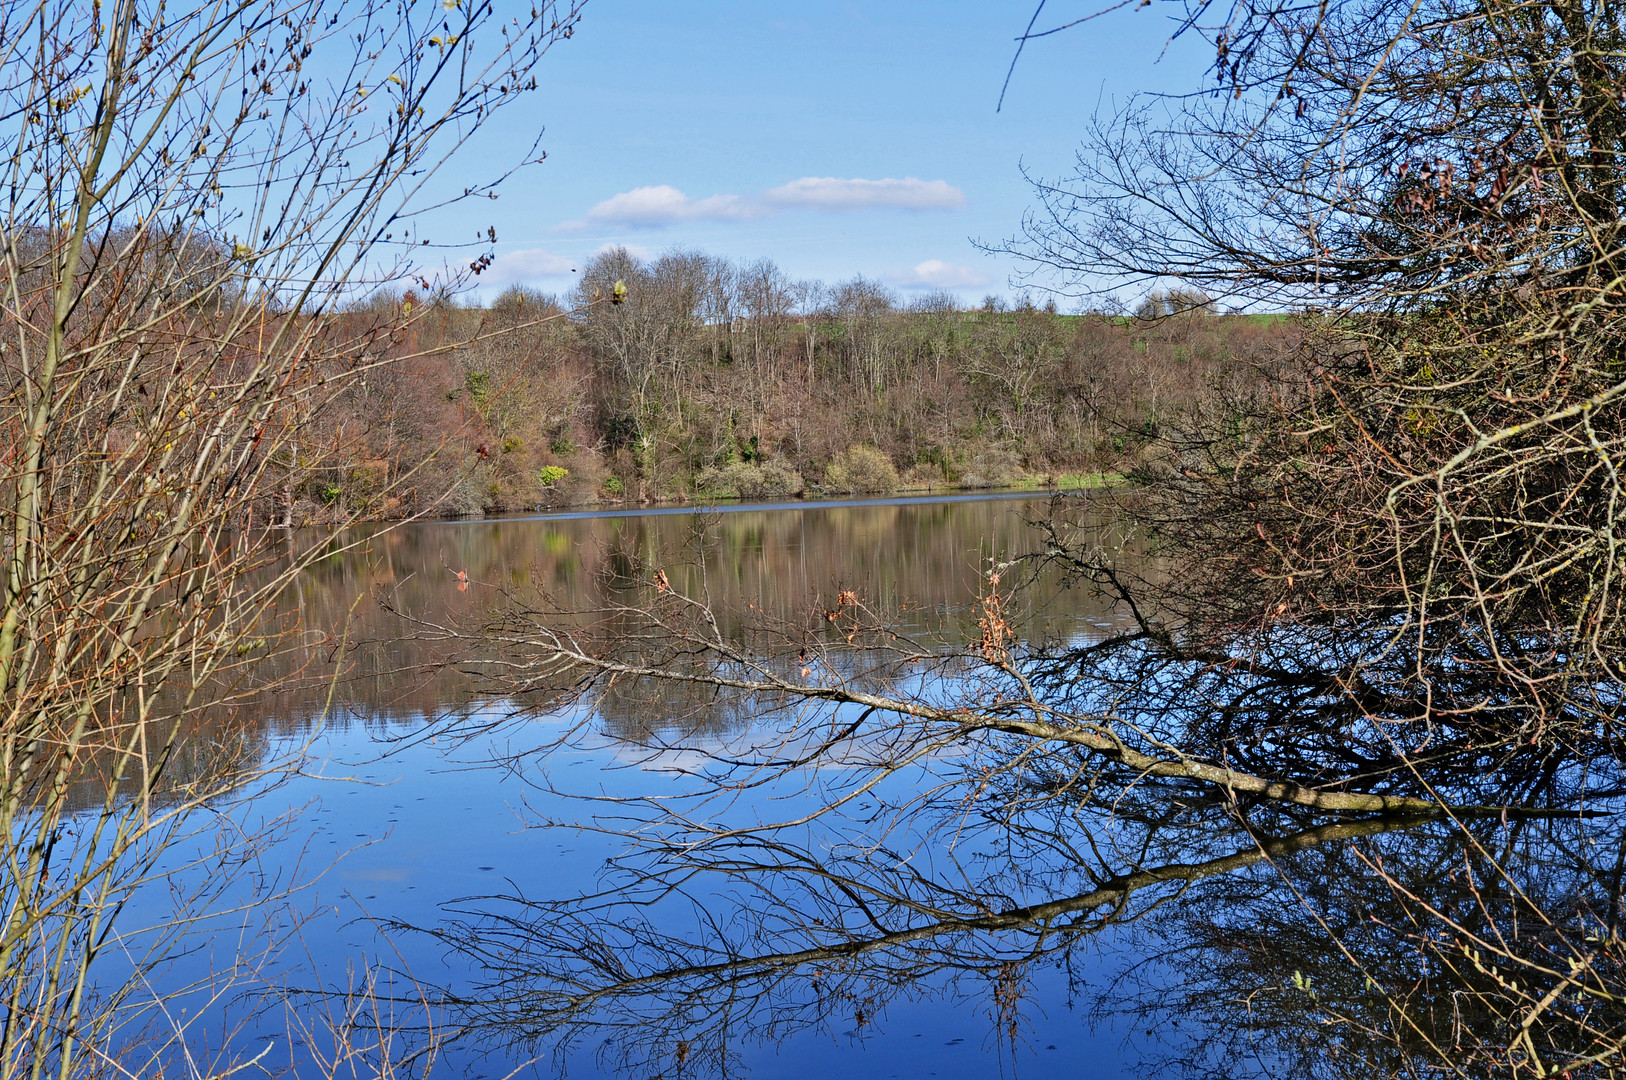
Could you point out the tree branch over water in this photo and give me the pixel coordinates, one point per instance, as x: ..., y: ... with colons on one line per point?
x: 888, y: 732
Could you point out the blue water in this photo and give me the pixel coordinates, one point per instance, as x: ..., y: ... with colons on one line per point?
x: 392, y: 831
x: 390, y: 825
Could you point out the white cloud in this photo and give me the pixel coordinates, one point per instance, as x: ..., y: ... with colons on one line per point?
x: 829, y: 193
x: 937, y: 274
x: 526, y: 265
x: 663, y: 204
x: 660, y: 205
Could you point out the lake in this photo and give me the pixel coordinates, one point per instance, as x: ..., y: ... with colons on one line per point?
x: 475, y: 871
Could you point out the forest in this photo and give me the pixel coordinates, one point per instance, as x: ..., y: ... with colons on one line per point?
x: 714, y: 379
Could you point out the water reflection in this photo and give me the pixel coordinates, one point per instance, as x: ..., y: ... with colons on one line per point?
x: 666, y: 875
x: 903, y: 817
x: 1486, y: 951
x: 1355, y: 949
x: 806, y: 943
x: 916, y: 565
x: 366, y: 679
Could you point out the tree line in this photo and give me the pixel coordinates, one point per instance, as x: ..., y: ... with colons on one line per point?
x: 717, y: 378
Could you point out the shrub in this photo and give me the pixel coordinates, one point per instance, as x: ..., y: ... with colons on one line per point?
x: 550, y: 475
x: 465, y: 499
x: 748, y: 481
x: 924, y: 476
x: 861, y: 469
x: 993, y: 468
x: 614, y: 486
x: 719, y: 481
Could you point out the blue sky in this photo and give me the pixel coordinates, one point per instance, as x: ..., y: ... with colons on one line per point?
x: 835, y: 138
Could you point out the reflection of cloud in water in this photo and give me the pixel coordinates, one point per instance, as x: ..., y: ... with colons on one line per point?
x: 377, y: 873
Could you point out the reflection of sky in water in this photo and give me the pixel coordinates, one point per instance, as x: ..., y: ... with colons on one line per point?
x: 404, y: 817
x: 409, y: 833
x: 393, y: 839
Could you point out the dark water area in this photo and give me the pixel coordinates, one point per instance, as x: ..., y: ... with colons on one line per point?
x: 478, y: 884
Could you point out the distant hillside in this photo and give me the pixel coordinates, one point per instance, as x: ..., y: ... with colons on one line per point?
x: 713, y: 379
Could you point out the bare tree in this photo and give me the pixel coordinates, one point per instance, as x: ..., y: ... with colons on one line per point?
x: 1439, y: 187
x: 192, y: 192
x: 644, y: 341
x: 861, y: 307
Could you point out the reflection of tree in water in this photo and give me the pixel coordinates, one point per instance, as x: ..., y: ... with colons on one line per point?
x: 916, y: 564
x: 210, y: 743
x: 1315, y: 705
x: 1304, y: 952
x: 1490, y: 952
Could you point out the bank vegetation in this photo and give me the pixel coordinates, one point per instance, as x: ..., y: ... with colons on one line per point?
x: 715, y: 379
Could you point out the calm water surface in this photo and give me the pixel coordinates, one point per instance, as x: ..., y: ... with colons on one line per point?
x: 530, y: 913
x: 401, y: 819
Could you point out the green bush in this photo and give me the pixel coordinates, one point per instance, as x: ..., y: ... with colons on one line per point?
x: 550, y: 475
x: 614, y: 486
x: 861, y: 469
x: 748, y: 481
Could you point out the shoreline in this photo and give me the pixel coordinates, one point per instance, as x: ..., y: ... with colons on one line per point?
x: 736, y: 506
x: 1035, y: 487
